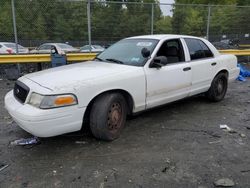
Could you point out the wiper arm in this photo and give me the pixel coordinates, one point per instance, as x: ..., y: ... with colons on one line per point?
x: 99, y: 59
x: 115, y: 60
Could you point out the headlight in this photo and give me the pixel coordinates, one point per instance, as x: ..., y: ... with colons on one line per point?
x: 52, y: 101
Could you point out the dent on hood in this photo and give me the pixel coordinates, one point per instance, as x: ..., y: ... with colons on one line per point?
x: 73, y: 85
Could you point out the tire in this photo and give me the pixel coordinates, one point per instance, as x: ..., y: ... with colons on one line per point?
x: 218, y: 88
x: 108, y: 116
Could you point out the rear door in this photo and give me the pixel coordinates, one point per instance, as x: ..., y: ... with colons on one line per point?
x: 173, y: 80
x: 202, y: 63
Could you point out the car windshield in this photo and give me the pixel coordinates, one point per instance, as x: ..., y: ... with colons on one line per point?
x: 86, y: 47
x: 13, y: 45
x: 97, y: 47
x: 128, y: 51
x: 65, y: 46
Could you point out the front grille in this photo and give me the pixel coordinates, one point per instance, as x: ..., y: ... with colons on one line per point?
x: 21, y: 91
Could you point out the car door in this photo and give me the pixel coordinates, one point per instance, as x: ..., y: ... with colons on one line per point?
x: 173, y: 80
x: 203, y: 65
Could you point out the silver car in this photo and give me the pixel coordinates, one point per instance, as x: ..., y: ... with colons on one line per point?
x: 10, y: 48
x: 60, y: 47
x: 92, y: 48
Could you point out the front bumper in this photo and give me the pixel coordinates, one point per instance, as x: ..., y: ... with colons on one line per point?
x: 44, y: 123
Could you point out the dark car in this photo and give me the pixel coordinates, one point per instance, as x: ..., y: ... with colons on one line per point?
x: 223, y: 46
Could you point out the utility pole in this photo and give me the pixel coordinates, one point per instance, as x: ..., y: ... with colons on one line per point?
x: 89, y: 23
x: 15, y: 30
x: 152, y: 19
x: 208, y: 21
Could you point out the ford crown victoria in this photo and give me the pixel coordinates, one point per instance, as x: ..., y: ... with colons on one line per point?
x: 133, y: 75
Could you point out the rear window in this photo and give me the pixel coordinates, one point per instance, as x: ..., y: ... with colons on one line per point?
x: 86, y: 47
x: 97, y: 47
x: 65, y: 46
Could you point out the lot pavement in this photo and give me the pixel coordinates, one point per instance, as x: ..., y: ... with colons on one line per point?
x: 179, y: 145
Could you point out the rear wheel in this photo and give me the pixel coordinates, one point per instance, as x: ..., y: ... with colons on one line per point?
x: 218, y: 88
x: 108, y: 116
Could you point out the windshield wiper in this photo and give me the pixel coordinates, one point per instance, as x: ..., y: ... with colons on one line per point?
x: 115, y: 60
x: 99, y: 59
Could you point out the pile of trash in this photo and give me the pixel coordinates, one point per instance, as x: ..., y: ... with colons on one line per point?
x: 243, y: 73
x: 25, y: 141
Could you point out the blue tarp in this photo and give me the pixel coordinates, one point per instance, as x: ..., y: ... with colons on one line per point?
x: 243, y: 73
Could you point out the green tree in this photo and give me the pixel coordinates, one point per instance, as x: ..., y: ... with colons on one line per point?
x: 6, y: 27
x: 164, y: 25
x: 192, y: 19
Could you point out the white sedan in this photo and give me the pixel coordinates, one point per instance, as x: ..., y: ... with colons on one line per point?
x: 133, y: 75
x: 61, y: 48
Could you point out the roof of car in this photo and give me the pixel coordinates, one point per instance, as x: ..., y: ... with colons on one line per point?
x: 53, y: 43
x: 7, y: 43
x: 161, y: 36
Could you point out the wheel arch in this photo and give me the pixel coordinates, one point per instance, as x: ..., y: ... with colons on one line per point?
x: 222, y: 71
x: 128, y: 97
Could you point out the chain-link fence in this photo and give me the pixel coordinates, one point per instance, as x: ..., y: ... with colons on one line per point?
x: 40, y: 21
x: 80, y: 22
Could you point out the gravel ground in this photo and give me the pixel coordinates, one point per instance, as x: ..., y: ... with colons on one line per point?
x: 179, y: 145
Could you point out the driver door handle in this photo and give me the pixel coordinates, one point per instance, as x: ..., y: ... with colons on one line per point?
x: 187, y: 69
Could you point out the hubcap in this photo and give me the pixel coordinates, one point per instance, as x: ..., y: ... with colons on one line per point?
x: 114, y: 116
x: 220, y: 86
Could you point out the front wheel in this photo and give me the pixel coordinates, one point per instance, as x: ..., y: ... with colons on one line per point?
x: 218, y: 88
x: 108, y: 116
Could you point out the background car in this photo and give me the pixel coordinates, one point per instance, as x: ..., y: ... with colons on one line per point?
x: 94, y: 48
x: 223, y: 46
x: 10, y: 48
x: 60, y: 47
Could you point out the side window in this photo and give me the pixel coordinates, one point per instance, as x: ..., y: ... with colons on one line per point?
x: 173, y: 50
x: 41, y: 47
x: 48, y: 47
x: 198, y: 49
x: 206, y: 50
x: 45, y: 47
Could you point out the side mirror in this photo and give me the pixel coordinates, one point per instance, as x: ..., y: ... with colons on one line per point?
x: 158, y: 62
x: 145, y: 52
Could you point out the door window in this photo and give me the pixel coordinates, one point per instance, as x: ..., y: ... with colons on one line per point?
x: 173, y: 50
x: 45, y: 47
x: 207, y: 51
x: 198, y: 49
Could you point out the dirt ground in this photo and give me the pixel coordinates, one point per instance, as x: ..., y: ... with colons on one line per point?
x: 179, y: 145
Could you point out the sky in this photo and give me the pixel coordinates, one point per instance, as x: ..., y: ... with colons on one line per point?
x: 166, y: 9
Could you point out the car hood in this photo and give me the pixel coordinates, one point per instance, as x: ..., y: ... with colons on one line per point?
x: 78, y: 74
